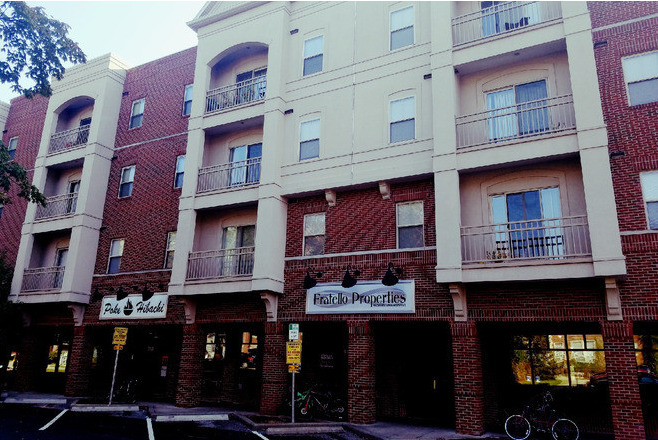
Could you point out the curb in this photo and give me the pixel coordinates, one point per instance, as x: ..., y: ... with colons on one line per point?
x: 104, y: 408
x: 290, y: 428
x: 35, y: 401
x: 189, y: 417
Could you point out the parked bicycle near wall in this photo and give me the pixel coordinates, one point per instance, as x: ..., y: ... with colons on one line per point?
x: 541, y: 417
x: 313, y: 403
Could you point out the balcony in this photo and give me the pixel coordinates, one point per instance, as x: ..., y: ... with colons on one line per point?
x: 65, y: 140
x: 230, y: 175
x: 501, y: 19
x: 58, y: 206
x: 524, y: 120
x: 513, y: 242
x: 42, y: 279
x: 222, y: 263
x: 236, y: 94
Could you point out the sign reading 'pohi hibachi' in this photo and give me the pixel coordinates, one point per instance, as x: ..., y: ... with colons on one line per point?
x: 133, y: 307
x: 364, y: 297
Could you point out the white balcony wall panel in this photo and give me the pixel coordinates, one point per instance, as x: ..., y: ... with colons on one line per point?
x: 247, y: 58
x: 217, y: 149
x: 209, y: 226
x: 45, y: 249
x: 70, y: 118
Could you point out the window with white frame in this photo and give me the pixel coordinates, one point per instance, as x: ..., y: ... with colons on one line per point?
x: 180, y: 171
x: 169, y: 251
x: 126, y: 184
x: 137, y: 113
x: 116, y: 252
x: 403, y: 119
x: 11, y: 148
x: 313, y: 54
x: 410, y: 220
x: 187, y: 100
x: 650, y: 193
x: 641, y: 74
x: 309, y: 139
x: 314, y: 233
x: 402, y: 27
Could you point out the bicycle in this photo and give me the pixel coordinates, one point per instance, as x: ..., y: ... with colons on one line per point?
x: 541, y: 418
x: 314, y: 403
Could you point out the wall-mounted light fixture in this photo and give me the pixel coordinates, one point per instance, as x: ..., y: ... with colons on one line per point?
x: 122, y: 293
x: 349, y: 279
x: 390, y: 278
x: 309, y: 281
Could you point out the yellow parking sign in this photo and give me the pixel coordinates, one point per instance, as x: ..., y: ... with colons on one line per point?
x: 293, y: 352
x: 120, y: 336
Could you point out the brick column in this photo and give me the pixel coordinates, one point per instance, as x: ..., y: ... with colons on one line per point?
x: 27, y: 368
x: 77, y: 380
x: 361, y: 376
x: 275, y: 380
x: 188, y: 391
x: 469, y: 387
x: 621, y: 367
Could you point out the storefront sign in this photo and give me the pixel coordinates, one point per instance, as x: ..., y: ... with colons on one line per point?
x: 364, y: 297
x: 133, y: 307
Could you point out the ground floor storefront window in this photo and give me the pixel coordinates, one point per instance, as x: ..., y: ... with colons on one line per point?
x: 646, y: 356
x: 557, y: 359
x: 232, y: 365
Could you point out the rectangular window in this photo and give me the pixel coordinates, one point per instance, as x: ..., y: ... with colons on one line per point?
x: 187, y: 100
x: 116, y: 252
x: 528, y: 224
x: 410, y: 219
x: 403, y: 119
x: 126, y: 184
x: 649, y: 183
x: 136, y: 113
x: 557, y: 360
x: 314, y: 234
x: 11, y: 148
x: 169, y: 252
x: 402, y: 28
x: 646, y: 356
x: 641, y: 74
x: 249, y: 351
x: 180, y: 171
x: 1, y: 208
x: 313, y: 54
x: 518, y: 111
x: 215, y: 347
x: 309, y: 139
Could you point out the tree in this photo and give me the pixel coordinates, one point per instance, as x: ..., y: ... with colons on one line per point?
x: 33, y: 45
x: 12, y: 172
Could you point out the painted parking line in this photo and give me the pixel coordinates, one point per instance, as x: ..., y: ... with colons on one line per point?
x: 49, y: 424
x: 260, y: 435
x: 149, y: 428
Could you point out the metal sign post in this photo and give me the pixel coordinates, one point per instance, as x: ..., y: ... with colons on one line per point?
x: 119, y: 340
x: 292, y: 417
x: 294, y: 360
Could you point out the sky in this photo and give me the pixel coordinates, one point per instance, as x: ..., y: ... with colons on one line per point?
x: 135, y: 31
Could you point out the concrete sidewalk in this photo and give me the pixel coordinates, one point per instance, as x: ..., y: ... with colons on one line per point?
x: 167, y: 412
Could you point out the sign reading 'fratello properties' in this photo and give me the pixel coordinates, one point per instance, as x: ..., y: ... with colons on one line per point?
x: 133, y: 307
x: 365, y: 297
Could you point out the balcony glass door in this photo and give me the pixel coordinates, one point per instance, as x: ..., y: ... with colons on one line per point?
x: 60, y: 262
x: 517, y: 111
x: 528, y: 224
x: 237, y: 260
x: 72, y: 200
x: 243, y: 169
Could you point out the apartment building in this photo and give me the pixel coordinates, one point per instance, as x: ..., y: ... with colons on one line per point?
x: 424, y: 188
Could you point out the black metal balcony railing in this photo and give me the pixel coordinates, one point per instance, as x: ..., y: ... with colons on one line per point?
x: 502, y: 18
x: 230, y: 175
x: 58, y: 206
x: 68, y: 139
x: 543, y: 239
x: 236, y: 94
x: 42, y: 279
x: 221, y: 263
x: 532, y: 118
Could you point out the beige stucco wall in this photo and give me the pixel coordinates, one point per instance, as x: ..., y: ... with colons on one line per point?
x: 218, y: 148
x: 209, y: 226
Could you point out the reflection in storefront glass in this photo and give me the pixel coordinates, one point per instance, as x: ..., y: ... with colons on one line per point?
x: 63, y: 360
x: 558, y: 360
x: 53, y: 354
x: 11, y: 365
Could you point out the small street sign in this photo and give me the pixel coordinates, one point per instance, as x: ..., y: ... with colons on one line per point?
x: 118, y: 347
x: 294, y: 353
x: 120, y: 335
x: 294, y: 368
x: 293, y: 332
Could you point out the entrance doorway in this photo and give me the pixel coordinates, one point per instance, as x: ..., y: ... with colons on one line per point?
x: 54, y: 353
x: 414, y: 372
